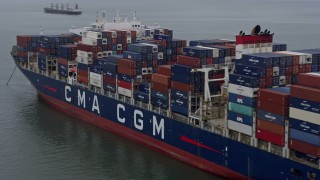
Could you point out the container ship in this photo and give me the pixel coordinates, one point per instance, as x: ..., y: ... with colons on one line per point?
x: 245, y: 108
x: 55, y: 9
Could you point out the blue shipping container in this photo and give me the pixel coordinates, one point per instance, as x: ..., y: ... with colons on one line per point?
x: 304, y: 136
x: 252, y: 82
x: 304, y: 104
x: 247, y: 101
x: 250, y: 70
x: 268, y: 116
x: 304, y: 126
x: 180, y: 110
x: 240, y: 118
x: 141, y: 96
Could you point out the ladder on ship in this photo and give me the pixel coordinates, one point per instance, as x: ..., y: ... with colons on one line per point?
x: 211, y: 112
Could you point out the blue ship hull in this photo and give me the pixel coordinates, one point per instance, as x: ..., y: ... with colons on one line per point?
x: 206, y: 150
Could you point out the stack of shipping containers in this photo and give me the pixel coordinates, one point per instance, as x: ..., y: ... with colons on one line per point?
x: 304, y: 135
x: 272, y: 115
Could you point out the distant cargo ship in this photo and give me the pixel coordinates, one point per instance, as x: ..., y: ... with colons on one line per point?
x: 55, y: 10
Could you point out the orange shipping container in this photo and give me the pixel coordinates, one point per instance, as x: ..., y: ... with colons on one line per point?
x: 165, y: 70
x: 271, y: 127
x: 161, y: 79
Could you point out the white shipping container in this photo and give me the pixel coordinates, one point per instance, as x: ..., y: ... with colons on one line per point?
x: 129, y: 40
x: 124, y: 91
x: 119, y: 47
x: 160, y: 55
x: 302, y: 56
x: 242, y: 90
x: 104, y: 41
x: 89, y: 41
x: 276, y: 71
x: 95, y: 83
x: 84, y: 60
x: 304, y: 115
x: 84, y: 54
x: 242, y: 128
x: 94, y: 35
x: 282, y: 80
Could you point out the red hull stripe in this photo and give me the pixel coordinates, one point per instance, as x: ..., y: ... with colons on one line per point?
x: 142, y: 139
x: 188, y: 140
x: 49, y: 88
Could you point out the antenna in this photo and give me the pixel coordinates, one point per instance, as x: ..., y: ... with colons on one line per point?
x: 135, y: 16
x: 41, y: 30
x: 97, y: 16
x: 125, y: 17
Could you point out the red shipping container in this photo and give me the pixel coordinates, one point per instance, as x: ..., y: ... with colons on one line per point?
x: 126, y: 63
x: 273, y: 108
x: 288, y: 79
x: 304, y: 92
x: 269, y: 73
x: 82, y: 72
x: 309, y: 79
x: 262, y: 83
x: 83, y: 79
x: 146, y: 78
x: 304, y: 147
x: 22, y: 54
x: 288, y: 70
x: 301, y: 69
x: 182, y: 87
x: 271, y: 127
x: 274, y: 97
x: 269, y: 82
x: 109, y: 80
x: 295, y: 69
x: 164, y: 70
x: 24, y: 38
x: 161, y: 79
x: 307, y: 68
x: 62, y: 61
x: 127, y: 70
x: 270, y: 137
x: 295, y: 60
x: 159, y: 87
x: 189, y: 61
x: 114, y: 41
x: 124, y: 84
x: 155, y: 63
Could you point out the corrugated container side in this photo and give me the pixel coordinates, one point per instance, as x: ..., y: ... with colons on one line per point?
x: 164, y: 70
x: 245, y: 110
x: 270, y: 137
x: 304, y: 115
x: 304, y: 147
x: 304, y: 126
x: 304, y: 92
x: 242, y: 128
x: 242, y: 90
x: 273, y: 96
x: 309, y: 79
x: 273, y: 108
x: 304, y: 104
x: 180, y: 110
x: 242, y: 80
x: 272, y: 117
x: 271, y: 127
x: 305, y: 137
x: 243, y: 119
x: 247, y: 101
x: 161, y: 79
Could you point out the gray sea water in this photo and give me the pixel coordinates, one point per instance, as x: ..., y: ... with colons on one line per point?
x: 37, y: 142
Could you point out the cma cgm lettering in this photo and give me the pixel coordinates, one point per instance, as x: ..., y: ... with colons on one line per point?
x: 139, y: 119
